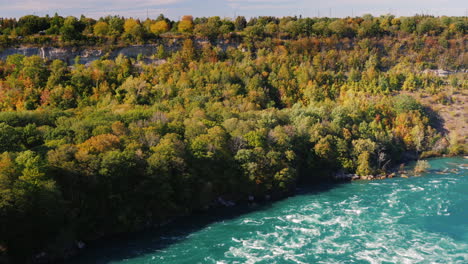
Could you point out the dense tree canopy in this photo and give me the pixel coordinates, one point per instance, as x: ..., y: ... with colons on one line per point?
x: 114, y: 29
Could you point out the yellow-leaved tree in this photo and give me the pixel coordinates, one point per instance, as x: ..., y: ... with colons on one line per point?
x: 186, y: 24
x: 159, y: 27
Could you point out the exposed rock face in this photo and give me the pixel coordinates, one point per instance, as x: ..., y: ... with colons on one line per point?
x: 44, y: 52
x: 444, y: 73
x: 87, y: 55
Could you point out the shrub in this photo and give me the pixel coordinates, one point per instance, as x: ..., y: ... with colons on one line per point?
x: 421, y: 166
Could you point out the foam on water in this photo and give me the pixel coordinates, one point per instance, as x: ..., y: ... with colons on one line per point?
x: 415, y: 220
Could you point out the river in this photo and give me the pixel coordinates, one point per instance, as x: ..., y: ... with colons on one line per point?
x: 400, y: 220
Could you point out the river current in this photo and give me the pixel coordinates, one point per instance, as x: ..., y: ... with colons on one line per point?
x: 400, y: 220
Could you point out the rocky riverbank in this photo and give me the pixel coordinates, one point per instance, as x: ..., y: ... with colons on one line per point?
x: 401, y: 171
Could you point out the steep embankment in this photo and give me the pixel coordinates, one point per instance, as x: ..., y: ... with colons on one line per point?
x: 452, y: 110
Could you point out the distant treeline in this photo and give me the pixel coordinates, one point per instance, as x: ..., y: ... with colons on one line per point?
x: 33, y: 29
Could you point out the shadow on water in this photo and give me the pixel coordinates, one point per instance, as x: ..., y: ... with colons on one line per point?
x: 128, y: 246
x: 134, y: 245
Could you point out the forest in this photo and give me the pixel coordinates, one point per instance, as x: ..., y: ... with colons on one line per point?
x: 118, y: 145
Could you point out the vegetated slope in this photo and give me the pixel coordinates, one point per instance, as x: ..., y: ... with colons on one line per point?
x: 452, y: 112
x: 118, y: 145
x: 453, y: 109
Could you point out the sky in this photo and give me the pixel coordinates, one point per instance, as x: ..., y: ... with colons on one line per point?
x: 174, y: 9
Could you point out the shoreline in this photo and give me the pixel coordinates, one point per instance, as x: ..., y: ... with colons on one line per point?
x: 221, y: 206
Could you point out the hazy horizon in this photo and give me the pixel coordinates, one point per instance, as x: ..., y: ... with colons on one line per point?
x: 231, y: 8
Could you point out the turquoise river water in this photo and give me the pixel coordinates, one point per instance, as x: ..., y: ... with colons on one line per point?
x: 400, y: 220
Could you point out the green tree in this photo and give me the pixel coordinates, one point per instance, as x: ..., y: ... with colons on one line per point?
x: 116, y: 25
x: 364, y: 168
x: 340, y: 28
x: 101, y: 28
x: 428, y: 25
x: 32, y: 24
x: 9, y: 138
x: 134, y: 91
x: 70, y: 29
x: 58, y: 72
x: 30, y: 194
x: 408, y: 24
x: 161, y: 53
x: 369, y: 28
x: 34, y: 69
x: 240, y: 23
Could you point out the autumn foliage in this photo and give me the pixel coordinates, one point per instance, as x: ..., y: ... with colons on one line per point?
x: 230, y: 109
